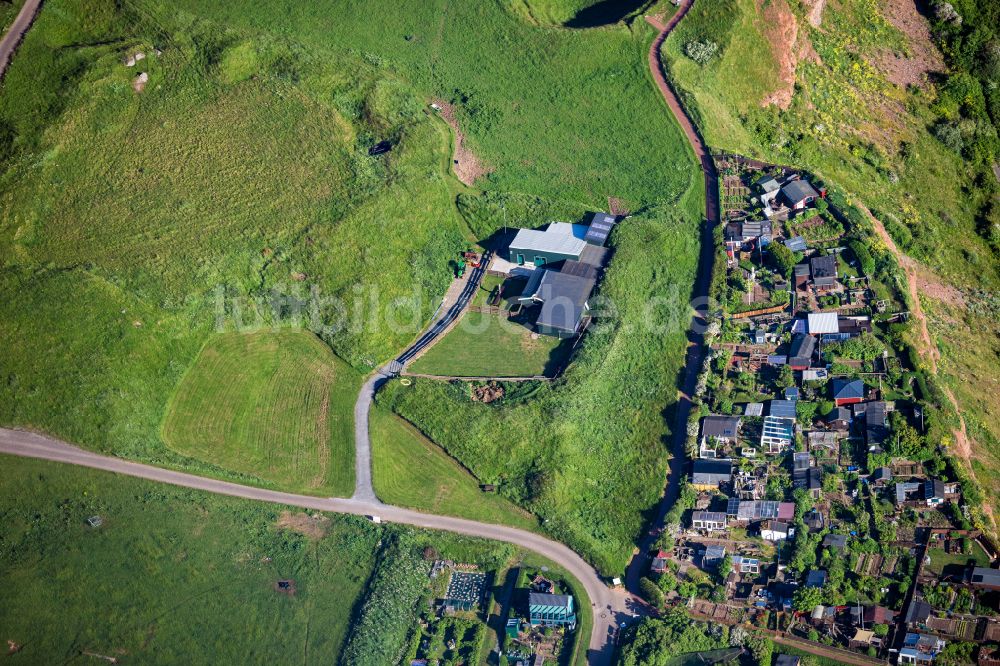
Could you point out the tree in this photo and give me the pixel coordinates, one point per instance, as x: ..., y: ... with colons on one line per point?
x: 881, y: 630
x: 786, y: 378
x: 650, y: 592
x: 807, y: 598
x: 725, y: 567
x: 783, y: 258
x: 667, y: 582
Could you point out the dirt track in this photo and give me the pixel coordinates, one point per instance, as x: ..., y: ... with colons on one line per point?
x: 15, y: 34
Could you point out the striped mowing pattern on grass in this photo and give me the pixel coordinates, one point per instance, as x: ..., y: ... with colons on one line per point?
x: 274, y: 404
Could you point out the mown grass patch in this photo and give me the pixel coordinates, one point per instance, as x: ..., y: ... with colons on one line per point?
x: 273, y: 404
x: 410, y: 470
x: 486, y: 345
x: 956, y: 563
x: 168, y: 573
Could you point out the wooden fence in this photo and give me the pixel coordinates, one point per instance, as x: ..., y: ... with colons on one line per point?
x: 532, y: 378
x: 761, y: 311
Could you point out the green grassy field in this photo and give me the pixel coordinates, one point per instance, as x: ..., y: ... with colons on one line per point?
x: 486, y: 286
x: 484, y: 345
x: 955, y: 562
x: 272, y: 404
x: 179, y: 576
x: 239, y: 172
x: 410, y: 470
x: 243, y: 164
x: 586, y: 453
x: 172, y: 575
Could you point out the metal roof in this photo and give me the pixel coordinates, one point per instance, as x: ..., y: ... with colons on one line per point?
x: 559, y: 601
x: 767, y: 183
x: 557, y: 239
x: 783, y: 408
x: 823, y: 322
x: 986, y: 576
x: 823, y: 266
x: 720, y: 426
x: 802, y: 349
x: 754, y: 409
x: 797, y: 244
x: 710, y: 472
x: 600, y: 228
x: 814, y: 374
x: 848, y: 389
x: 564, y: 298
x: 816, y: 578
x: 798, y: 190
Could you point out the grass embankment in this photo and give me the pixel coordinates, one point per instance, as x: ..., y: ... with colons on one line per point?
x: 409, y: 470
x: 486, y: 345
x: 240, y: 170
x: 272, y: 404
x: 172, y: 575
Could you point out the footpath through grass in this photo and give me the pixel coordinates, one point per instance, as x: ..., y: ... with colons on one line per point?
x: 485, y: 345
x: 409, y: 470
x: 272, y: 404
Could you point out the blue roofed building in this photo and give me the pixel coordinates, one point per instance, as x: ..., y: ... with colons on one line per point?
x: 551, y: 609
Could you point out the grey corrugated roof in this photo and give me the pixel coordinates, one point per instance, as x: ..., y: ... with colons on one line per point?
x: 564, y: 297
x: 986, y: 576
x: 816, y: 578
x: 600, y: 228
x: 710, y: 472
x: 823, y: 322
x: 720, y: 426
x: 918, y: 611
x: 802, y: 349
x: 823, y: 266
x: 797, y: 244
x: 835, y: 540
x: 798, y: 190
x: 555, y: 240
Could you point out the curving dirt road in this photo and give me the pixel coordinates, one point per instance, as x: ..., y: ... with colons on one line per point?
x: 12, y: 39
x: 706, y: 260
